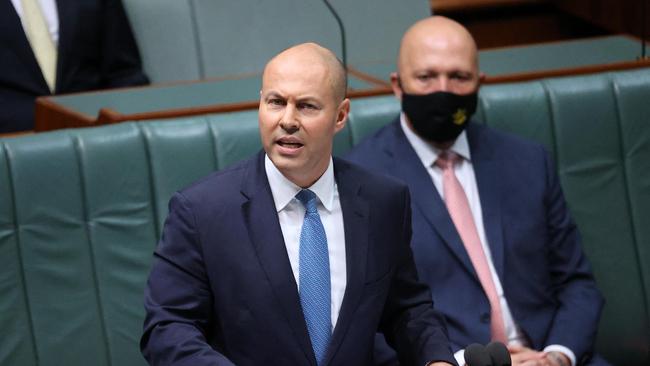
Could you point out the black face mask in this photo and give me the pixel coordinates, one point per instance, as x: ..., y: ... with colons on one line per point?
x: 439, y: 116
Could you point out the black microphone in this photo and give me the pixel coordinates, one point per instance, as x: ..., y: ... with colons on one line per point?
x: 499, y: 354
x: 476, y: 355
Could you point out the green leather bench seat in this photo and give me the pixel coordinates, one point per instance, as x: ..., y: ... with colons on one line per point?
x: 560, y: 55
x: 373, y: 31
x: 81, y: 210
x: 598, y: 129
x: 198, y: 39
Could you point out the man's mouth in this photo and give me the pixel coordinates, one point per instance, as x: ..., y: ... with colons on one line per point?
x: 290, y: 145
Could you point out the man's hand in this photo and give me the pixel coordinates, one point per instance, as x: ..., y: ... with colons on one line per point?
x: 524, y: 356
x: 558, y: 359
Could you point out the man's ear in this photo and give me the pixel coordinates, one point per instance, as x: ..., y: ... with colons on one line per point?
x: 342, y: 115
x: 396, y: 85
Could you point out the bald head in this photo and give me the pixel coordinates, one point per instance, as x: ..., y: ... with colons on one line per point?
x: 438, y: 32
x: 441, y: 50
x: 302, y: 107
x: 319, y: 60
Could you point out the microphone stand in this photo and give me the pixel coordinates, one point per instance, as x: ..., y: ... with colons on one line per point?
x: 644, y: 19
x: 340, y: 22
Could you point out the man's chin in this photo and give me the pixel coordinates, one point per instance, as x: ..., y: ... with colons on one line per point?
x: 287, y: 165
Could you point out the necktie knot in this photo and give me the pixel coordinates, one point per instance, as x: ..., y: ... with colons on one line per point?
x: 447, y: 159
x: 308, y: 199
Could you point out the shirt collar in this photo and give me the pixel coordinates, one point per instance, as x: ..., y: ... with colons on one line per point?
x: 284, y: 190
x: 425, y: 150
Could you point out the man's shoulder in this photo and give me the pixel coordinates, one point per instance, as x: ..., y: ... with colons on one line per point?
x: 504, y: 144
x: 502, y: 138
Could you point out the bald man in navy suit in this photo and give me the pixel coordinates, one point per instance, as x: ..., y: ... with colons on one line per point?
x: 231, y: 283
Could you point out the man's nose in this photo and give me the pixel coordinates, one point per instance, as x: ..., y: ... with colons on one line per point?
x: 443, y: 84
x: 289, y: 121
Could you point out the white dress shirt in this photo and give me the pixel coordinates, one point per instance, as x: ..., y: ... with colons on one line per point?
x: 464, y: 171
x: 291, y: 214
x: 50, y: 12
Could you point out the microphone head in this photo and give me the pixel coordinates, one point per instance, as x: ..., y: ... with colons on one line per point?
x: 476, y: 355
x: 499, y: 354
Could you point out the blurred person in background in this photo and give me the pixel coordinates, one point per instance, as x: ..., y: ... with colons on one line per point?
x: 61, y: 46
x: 492, y: 235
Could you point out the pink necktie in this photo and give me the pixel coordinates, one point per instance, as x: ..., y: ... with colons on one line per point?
x: 461, y: 215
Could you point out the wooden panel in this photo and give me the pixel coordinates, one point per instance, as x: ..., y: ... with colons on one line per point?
x: 623, y: 16
x: 492, y: 23
x: 455, y: 5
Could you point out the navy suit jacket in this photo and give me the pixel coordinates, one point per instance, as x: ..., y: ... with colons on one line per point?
x: 96, y: 50
x: 221, y: 290
x: 534, y: 242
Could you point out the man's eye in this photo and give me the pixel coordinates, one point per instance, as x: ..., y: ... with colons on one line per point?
x: 307, y: 106
x: 276, y: 101
x: 461, y: 77
x: 423, y: 77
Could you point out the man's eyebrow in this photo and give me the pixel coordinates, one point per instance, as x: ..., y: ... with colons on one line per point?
x: 273, y: 94
x: 308, y: 99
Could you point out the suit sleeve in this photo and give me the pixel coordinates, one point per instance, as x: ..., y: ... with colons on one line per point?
x: 178, y: 299
x: 579, y: 300
x: 121, y: 64
x: 410, y: 324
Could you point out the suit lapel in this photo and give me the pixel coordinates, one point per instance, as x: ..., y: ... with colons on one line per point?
x: 265, y: 233
x: 13, y: 36
x: 355, y: 221
x: 486, y: 169
x: 408, y: 167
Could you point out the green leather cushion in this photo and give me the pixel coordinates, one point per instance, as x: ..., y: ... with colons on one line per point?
x: 83, y: 241
x: 239, y: 37
x: 166, y: 36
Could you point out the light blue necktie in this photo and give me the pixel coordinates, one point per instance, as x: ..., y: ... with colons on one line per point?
x: 314, y: 277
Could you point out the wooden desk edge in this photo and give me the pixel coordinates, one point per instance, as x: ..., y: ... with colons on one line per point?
x: 52, y: 116
x: 58, y: 117
x: 582, y: 70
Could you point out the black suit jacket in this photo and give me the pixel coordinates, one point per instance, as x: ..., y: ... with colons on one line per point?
x: 222, y: 292
x: 96, y: 50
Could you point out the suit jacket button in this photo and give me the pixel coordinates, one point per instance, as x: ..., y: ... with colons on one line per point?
x: 485, y: 318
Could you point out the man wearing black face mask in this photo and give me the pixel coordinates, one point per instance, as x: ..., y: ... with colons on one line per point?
x: 492, y: 235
